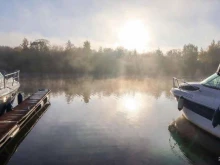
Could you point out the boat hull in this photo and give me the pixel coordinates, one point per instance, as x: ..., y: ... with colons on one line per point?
x: 7, y: 99
x: 201, y: 122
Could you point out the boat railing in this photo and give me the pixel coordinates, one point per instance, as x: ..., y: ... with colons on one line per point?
x: 176, y: 82
x: 10, y: 79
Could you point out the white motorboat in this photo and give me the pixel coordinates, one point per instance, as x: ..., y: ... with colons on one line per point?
x: 9, y: 85
x: 200, y: 102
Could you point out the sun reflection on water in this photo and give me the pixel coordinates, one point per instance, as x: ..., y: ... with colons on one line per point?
x: 130, y: 103
x: 131, y: 106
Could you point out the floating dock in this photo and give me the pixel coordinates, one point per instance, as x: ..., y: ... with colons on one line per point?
x: 13, y: 121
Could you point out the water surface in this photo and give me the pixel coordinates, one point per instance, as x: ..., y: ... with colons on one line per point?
x: 111, y: 121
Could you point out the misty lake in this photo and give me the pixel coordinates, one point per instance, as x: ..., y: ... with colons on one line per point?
x: 104, y: 121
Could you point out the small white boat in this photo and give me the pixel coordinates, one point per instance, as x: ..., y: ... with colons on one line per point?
x: 9, y: 85
x: 200, y: 102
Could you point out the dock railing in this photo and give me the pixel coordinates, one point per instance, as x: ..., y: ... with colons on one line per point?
x: 11, y: 78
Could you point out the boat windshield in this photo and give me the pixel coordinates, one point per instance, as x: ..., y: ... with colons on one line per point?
x: 213, y: 81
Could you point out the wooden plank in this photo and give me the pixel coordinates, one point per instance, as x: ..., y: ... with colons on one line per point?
x: 19, y: 112
x: 11, y: 118
x: 7, y: 128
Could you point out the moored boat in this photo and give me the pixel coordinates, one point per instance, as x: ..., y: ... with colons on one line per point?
x: 200, y: 102
x: 9, y: 85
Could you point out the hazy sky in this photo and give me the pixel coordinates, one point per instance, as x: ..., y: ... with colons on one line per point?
x: 168, y: 24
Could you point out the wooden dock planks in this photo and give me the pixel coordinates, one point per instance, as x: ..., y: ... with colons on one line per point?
x: 13, y: 120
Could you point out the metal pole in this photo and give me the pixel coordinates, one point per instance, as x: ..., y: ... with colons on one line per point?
x: 18, y: 75
x: 4, y: 81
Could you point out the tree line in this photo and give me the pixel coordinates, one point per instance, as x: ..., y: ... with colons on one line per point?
x: 39, y: 57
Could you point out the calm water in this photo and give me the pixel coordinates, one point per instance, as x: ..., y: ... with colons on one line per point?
x: 112, y: 121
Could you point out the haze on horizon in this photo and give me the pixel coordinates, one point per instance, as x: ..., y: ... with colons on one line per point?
x: 142, y: 25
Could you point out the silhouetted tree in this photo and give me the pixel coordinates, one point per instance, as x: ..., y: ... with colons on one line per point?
x: 40, y: 45
x: 69, y: 45
x: 87, y: 47
x: 213, y: 55
x: 190, y: 56
x: 25, y: 44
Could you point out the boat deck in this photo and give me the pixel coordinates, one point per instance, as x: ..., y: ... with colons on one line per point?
x: 11, y: 122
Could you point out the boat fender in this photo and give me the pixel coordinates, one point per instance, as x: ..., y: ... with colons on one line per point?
x: 20, y: 98
x: 9, y: 107
x: 180, y: 103
x: 216, y: 118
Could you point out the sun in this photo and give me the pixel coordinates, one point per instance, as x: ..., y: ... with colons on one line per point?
x: 134, y: 35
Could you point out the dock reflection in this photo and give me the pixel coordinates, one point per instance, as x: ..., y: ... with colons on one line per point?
x: 7, y: 151
x: 192, y: 144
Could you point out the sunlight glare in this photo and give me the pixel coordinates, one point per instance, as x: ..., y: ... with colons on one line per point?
x: 130, y: 103
x: 131, y: 106
x: 134, y: 35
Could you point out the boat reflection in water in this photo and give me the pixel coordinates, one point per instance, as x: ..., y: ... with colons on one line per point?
x: 192, y: 144
x: 7, y: 151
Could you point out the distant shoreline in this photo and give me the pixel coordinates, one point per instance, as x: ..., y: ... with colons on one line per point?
x: 90, y: 76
